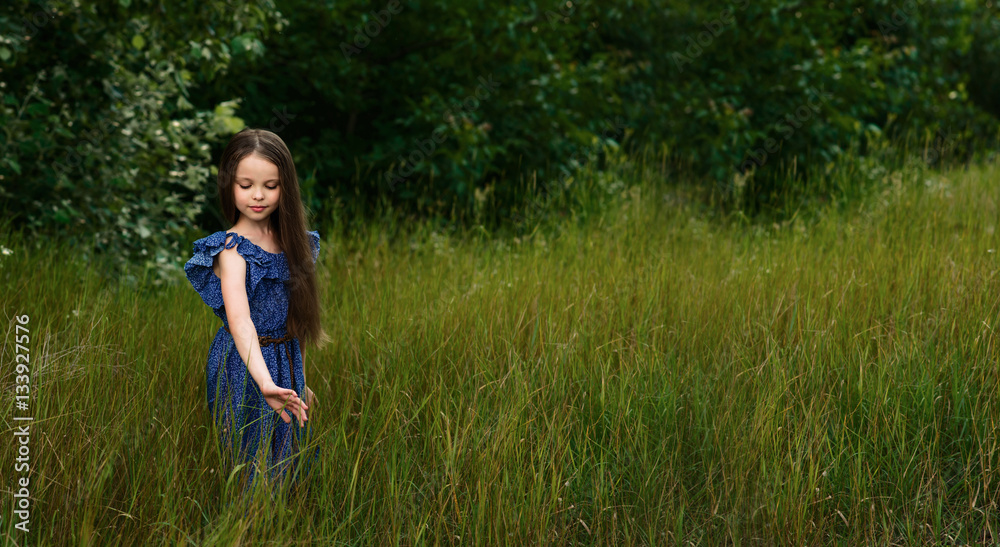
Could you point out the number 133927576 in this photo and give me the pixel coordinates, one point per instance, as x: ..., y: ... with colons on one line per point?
x: 22, y: 360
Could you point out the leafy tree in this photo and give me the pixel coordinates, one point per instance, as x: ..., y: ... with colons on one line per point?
x: 101, y: 141
x: 736, y: 91
x: 114, y: 113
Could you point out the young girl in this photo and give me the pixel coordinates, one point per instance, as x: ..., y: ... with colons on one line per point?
x: 259, y: 277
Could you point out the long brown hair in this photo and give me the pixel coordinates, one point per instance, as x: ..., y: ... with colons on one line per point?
x: 288, y: 222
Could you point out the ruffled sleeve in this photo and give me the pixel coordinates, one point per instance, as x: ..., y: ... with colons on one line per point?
x: 199, y: 268
x: 314, y: 236
x: 260, y: 265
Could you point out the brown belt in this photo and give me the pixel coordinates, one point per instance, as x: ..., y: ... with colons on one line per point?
x: 267, y: 341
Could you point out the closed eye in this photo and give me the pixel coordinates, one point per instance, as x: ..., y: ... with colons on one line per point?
x: 268, y: 187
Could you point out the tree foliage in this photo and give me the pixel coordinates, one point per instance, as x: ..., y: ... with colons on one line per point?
x: 102, y: 143
x: 113, y: 112
x: 386, y: 99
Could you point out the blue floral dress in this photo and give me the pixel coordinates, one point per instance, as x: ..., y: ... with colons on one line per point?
x: 234, y: 400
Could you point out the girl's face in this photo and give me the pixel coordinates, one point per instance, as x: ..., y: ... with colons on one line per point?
x: 256, y: 189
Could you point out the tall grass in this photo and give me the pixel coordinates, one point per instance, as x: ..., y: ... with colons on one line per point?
x: 638, y: 373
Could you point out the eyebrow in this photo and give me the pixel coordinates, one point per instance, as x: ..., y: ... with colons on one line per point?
x: 248, y: 179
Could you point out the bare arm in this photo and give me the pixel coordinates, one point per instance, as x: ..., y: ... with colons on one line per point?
x: 232, y: 276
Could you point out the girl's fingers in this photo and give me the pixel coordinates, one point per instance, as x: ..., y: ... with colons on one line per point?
x: 292, y: 405
x: 298, y: 408
x: 299, y: 401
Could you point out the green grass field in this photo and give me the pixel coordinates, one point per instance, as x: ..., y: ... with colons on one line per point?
x: 647, y: 375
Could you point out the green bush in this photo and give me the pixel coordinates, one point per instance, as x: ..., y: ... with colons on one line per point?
x: 101, y: 142
x: 468, y: 110
x: 379, y: 94
x: 731, y: 92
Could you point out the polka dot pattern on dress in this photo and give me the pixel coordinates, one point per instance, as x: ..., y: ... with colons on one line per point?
x: 243, y: 416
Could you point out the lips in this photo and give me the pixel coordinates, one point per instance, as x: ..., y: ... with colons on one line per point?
x: 257, y: 209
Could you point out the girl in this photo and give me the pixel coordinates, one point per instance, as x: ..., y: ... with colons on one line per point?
x: 259, y: 277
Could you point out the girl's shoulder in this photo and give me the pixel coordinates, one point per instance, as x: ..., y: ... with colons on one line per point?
x: 202, y: 274
x: 200, y: 268
x: 217, y: 240
x: 224, y: 239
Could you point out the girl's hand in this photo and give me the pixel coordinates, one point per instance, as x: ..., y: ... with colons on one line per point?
x: 285, y: 401
x: 310, y: 397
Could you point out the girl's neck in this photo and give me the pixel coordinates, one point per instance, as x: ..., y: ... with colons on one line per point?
x: 251, y: 228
